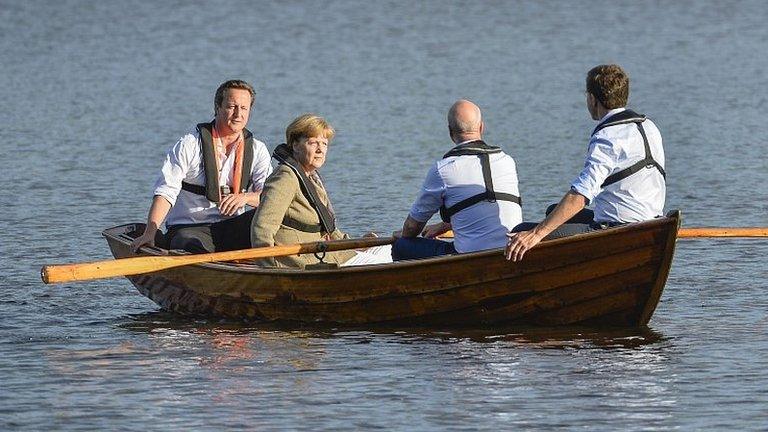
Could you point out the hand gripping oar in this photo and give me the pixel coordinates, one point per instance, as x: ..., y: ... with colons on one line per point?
x: 147, y: 264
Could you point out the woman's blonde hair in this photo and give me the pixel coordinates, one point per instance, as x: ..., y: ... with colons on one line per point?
x: 307, y: 126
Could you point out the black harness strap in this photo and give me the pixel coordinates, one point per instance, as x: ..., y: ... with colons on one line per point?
x: 195, y: 189
x: 290, y: 223
x: 483, y: 151
x: 327, y: 220
x: 624, y: 117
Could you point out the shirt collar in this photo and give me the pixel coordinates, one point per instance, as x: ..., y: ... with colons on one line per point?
x: 464, y: 142
x: 610, y: 113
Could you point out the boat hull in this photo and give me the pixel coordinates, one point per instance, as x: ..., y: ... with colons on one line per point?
x: 612, y: 277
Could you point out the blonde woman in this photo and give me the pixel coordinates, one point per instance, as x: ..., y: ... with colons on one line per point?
x: 295, y: 207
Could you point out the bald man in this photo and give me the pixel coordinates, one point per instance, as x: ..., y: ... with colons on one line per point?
x: 474, y: 187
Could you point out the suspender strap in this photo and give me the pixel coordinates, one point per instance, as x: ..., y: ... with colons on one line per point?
x: 483, y: 151
x: 647, y: 162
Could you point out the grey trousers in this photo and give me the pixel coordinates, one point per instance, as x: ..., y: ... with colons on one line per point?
x: 229, y: 234
x: 580, y: 223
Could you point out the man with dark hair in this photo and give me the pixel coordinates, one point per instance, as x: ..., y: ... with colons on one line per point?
x: 623, y: 175
x: 209, y: 176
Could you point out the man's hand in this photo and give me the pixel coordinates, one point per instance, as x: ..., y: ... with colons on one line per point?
x: 145, y: 239
x: 231, y: 203
x: 519, y: 243
x: 434, y: 230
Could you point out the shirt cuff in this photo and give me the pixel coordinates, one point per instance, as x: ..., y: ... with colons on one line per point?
x: 579, y: 189
x: 167, y: 193
x: 420, y: 216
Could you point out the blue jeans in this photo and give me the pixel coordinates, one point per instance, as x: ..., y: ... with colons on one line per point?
x: 420, y: 247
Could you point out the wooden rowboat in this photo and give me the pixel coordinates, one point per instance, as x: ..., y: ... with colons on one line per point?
x: 613, y: 277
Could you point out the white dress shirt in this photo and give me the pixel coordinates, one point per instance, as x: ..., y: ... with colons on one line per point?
x: 453, y: 179
x: 635, y: 198
x: 184, y: 163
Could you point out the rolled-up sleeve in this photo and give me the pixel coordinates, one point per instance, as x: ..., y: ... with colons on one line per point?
x: 430, y: 197
x: 600, y: 162
x: 175, y: 168
x: 262, y: 166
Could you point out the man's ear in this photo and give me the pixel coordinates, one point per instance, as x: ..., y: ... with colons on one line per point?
x: 482, y: 127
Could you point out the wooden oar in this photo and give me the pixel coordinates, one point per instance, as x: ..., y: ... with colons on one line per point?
x: 147, y: 264
x: 701, y: 232
x: 722, y: 232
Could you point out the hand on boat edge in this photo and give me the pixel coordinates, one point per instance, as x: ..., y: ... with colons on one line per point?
x: 519, y: 243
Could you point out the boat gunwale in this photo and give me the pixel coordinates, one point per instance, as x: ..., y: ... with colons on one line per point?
x: 115, y: 233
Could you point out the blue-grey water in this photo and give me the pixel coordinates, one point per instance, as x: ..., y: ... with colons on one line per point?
x: 94, y: 93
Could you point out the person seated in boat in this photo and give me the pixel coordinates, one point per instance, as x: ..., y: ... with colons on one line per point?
x: 295, y: 207
x: 474, y: 187
x: 623, y: 175
x: 209, y: 177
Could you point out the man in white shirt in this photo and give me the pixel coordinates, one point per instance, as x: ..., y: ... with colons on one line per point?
x: 475, y: 189
x: 208, y: 178
x: 623, y: 174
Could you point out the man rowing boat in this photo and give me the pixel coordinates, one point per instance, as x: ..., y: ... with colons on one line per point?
x: 623, y: 174
x: 208, y: 178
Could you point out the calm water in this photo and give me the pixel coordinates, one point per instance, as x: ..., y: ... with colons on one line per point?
x: 95, y: 92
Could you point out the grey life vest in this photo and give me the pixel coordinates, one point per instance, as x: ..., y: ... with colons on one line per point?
x: 211, y: 190
x: 483, y: 151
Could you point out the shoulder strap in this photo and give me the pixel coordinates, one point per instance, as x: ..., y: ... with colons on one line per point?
x: 245, y: 179
x: 489, y: 195
x: 647, y: 162
x: 209, y: 162
x: 472, y: 148
x: 283, y: 155
x: 624, y: 117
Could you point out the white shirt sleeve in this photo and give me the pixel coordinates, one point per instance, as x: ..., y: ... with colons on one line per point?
x: 262, y: 165
x: 176, y: 167
x: 601, y: 160
x: 430, y: 198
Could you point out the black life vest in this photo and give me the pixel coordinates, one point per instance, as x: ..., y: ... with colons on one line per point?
x: 211, y: 189
x: 284, y: 155
x: 483, y: 151
x: 624, y: 117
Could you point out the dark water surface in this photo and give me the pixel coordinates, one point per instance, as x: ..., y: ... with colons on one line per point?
x: 94, y: 93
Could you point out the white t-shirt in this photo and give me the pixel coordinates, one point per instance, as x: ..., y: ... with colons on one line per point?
x: 635, y: 198
x: 453, y: 179
x: 184, y: 163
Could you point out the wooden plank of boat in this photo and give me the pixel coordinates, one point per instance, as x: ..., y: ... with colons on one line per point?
x: 609, y: 277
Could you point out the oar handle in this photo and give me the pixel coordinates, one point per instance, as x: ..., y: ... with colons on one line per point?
x: 147, y: 264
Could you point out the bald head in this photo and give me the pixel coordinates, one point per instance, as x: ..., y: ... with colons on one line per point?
x: 465, y: 121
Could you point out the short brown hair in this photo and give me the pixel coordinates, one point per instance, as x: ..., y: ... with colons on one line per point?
x: 231, y: 84
x: 307, y: 126
x: 609, y: 84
